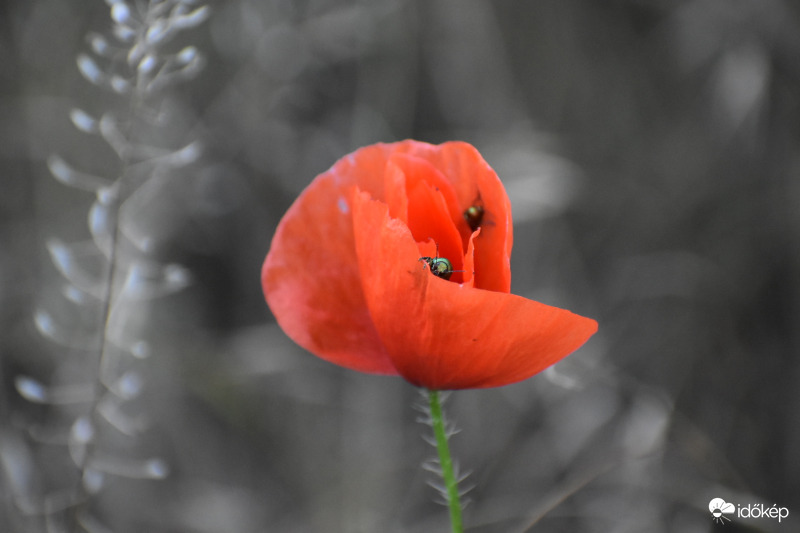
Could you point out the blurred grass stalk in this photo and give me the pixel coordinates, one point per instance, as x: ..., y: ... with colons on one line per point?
x: 100, y: 320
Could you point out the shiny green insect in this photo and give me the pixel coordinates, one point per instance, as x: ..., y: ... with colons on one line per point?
x: 441, y: 267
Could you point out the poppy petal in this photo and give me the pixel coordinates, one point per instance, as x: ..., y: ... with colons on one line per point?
x: 469, y: 261
x: 417, y: 169
x: 395, y: 191
x: 312, y: 283
x: 442, y: 335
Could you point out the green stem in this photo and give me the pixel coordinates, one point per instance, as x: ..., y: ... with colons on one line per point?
x: 446, y: 462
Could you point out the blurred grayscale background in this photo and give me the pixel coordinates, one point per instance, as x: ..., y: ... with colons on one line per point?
x: 650, y: 149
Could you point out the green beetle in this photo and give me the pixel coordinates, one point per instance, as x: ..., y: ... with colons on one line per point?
x: 441, y: 267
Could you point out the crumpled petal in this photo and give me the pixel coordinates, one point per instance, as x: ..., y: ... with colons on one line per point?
x: 442, y: 335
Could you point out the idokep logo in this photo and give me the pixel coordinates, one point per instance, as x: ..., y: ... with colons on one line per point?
x: 719, y: 508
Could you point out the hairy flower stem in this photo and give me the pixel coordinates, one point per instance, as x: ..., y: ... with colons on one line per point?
x: 446, y: 462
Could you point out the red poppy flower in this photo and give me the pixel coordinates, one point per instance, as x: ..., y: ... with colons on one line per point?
x: 346, y: 280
